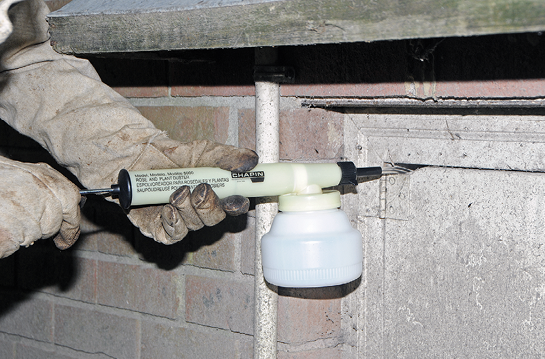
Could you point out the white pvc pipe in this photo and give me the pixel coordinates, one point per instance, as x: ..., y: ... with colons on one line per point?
x: 267, y: 114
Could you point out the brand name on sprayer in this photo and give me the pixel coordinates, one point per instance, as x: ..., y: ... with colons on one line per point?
x: 255, y: 176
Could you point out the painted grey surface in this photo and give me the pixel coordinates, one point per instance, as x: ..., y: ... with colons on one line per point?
x: 487, y: 141
x: 454, y: 252
x: 85, y: 7
x: 464, y: 275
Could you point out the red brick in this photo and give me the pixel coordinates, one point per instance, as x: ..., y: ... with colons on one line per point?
x: 225, y: 91
x: 217, y: 245
x: 83, y: 285
x: 115, y: 235
x: 61, y: 274
x: 325, y: 353
x: 383, y: 89
x: 147, y: 290
x: 168, y: 257
x: 531, y: 88
x: 305, y: 135
x: 210, y: 247
x: 246, y: 129
x: 248, y: 246
x: 314, y: 314
x: 161, y: 341
x: 220, y: 303
x: 106, y: 228
x: 114, y: 243
x: 218, y: 255
x: 26, y: 318
x: 186, y: 124
x: 142, y: 91
x: 96, y: 332
x: 441, y: 89
x: 308, y: 135
x: 87, y: 240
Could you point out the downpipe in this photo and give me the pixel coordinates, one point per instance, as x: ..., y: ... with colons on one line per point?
x: 267, y: 117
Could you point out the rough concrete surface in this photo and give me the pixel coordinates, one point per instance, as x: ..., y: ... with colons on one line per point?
x: 464, y: 275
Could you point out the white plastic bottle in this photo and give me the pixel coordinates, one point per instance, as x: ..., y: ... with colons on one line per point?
x: 311, y: 243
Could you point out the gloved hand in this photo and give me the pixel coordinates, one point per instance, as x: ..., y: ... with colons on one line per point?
x: 36, y: 202
x: 94, y: 132
x: 190, y: 211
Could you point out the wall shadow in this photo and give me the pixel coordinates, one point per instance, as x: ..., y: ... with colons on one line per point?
x: 476, y: 58
x: 43, y: 267
x: 168, y: 257
x: 333, y: 292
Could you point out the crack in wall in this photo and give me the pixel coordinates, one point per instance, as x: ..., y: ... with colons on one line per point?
x: 86, y: 352
x: 415, y: 167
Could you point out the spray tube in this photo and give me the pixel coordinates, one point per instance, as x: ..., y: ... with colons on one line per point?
x: 137, y: 188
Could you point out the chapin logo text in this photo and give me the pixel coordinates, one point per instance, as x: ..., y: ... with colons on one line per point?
x: 255, y: 176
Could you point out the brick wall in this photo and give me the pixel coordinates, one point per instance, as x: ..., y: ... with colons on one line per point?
x: 117, y: 294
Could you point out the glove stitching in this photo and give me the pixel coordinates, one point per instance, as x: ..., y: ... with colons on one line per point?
x: 148, y: 145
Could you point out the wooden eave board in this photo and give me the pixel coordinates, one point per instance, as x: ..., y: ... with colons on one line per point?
x: 135, y: 25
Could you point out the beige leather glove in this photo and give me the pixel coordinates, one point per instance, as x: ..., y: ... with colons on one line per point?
x: 36, y: 202
x: 190, y: 211
x: 94, y: 132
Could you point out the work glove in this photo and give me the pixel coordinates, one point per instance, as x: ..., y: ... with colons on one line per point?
x: 36, y: 202
x: 190, y: 210
x: 94, y: 132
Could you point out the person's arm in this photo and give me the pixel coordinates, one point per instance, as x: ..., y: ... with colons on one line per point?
x: 60, y: 102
